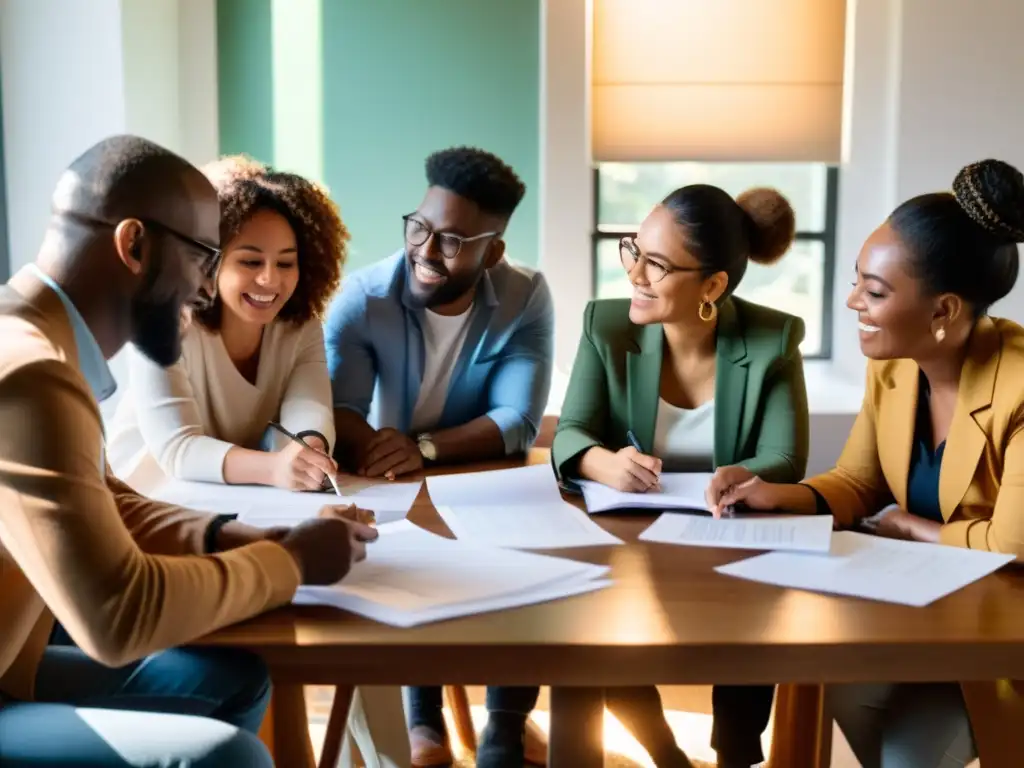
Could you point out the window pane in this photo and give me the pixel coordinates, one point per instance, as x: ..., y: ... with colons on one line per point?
x: 629, y: 190
x: 794, y: 285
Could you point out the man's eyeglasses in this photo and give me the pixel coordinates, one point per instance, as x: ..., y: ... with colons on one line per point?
x: 654, y: 271
x: 418, y: 232
x: 210, y: 255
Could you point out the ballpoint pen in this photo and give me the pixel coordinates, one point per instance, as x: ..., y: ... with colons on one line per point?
x: 293, y: 438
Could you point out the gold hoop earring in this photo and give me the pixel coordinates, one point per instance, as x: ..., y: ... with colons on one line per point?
x: 940, y: 335
x: 707, y: 311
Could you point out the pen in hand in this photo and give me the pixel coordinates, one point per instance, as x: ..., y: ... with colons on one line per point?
x: 293, y: 438
x: 636, y: 446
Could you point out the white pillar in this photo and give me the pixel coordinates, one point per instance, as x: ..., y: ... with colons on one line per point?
x: 566, y: 207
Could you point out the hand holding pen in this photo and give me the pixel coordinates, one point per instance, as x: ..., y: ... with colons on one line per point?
x: 303, y: 467
x: 629, y: 469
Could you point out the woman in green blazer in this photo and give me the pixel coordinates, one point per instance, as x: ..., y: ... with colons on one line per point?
x: 704, y: 382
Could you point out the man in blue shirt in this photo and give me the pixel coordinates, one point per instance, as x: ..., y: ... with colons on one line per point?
x: 442, y: 354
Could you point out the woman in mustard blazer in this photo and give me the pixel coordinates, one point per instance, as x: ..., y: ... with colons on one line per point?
x: 938, y: 444
x: 701, y: 380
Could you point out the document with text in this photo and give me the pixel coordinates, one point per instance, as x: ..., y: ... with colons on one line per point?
x: 412, y: 577
x: 807, y: 533
x: 518, y: 508
x: 872, y: 567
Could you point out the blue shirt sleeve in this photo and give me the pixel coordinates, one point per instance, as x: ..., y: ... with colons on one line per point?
x: 521, y: 382
x: 351, y: 362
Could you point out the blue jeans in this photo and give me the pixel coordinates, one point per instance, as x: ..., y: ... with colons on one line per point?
x: 182, y: 708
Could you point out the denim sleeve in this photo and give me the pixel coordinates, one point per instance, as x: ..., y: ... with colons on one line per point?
x: 521, y: 383
x: 351, y: 363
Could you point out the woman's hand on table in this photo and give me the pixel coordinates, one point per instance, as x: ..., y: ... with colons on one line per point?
x: 723, y: 481
x: 894, y: 522
x: 625, y: 470
x: 753, y: 492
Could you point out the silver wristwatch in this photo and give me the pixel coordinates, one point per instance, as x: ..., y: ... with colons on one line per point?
x: 426, y: 445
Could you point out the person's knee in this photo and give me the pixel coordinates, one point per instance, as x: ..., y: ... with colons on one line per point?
x: 241, y: 749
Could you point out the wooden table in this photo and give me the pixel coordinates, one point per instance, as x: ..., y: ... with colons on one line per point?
x: 668, y: 619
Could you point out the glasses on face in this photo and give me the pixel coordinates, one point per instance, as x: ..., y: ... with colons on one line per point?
x: 418, y: 232
x: 654, y: 271
x: 209, y: 255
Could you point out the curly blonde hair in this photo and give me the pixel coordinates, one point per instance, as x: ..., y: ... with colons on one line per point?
x: 245, y: 186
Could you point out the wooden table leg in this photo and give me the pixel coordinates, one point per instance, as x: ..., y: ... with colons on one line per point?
x: 291, y: 745
x: 577, y: 728
x: 336, y: 726
x: 802, y: 734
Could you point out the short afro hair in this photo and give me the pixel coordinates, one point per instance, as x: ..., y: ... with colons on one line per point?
x: 246, y: 186
x: 478, y: 176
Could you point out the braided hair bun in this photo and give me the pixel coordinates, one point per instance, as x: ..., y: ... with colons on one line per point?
x: 772, y: 223
x: 991, y: 192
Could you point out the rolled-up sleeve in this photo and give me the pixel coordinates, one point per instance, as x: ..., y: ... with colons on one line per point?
x: 521, y: 382
x: 351, y: 363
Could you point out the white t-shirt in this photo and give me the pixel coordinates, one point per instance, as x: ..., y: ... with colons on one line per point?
x: 684, y: 438
x: 443, y: 337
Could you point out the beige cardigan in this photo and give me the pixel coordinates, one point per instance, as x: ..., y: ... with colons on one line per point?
x: 120, y: 572
x: 187, y: 417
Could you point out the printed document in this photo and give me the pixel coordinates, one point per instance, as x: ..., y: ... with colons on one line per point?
x: 411, y: 577
x: 807, y: 533
x: 872, y: 567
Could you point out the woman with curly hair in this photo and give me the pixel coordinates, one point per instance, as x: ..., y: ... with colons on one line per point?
x: 255, y: 356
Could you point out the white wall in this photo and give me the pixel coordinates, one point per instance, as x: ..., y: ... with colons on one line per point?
x: 62, y: 87
x: 76, y: 72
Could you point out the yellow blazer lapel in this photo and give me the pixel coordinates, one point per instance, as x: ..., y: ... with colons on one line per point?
x: 897, y: 416
x: 967, y: 437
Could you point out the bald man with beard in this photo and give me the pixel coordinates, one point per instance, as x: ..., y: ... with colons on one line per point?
x: 133, y: 239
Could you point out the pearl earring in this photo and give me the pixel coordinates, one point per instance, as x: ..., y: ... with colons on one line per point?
x: 940, y: 335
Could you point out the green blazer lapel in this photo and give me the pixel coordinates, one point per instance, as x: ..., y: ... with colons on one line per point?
x: 730, y: 385
x: 643, y: 383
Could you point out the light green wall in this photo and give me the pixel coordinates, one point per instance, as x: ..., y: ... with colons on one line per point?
x: 245, y: 75
x: 401, y: 79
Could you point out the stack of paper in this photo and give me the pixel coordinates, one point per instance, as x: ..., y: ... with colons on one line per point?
x: 803, y: 533
x: 518, y: 508
x: 679, y: 490
x: 413, y: 577
x: 265, y: 506
x: 890, y: 570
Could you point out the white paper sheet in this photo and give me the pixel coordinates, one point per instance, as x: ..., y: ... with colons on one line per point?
x: 518, y: 508
x: 555, y: 525
x: 889, y: 570
x: 679, y: 490
x: 806, y: 533
x: 265, y: 506
x: 411, y: 576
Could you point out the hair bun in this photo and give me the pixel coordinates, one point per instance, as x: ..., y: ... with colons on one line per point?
x: 773, y: 223
x: 991, y: 192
